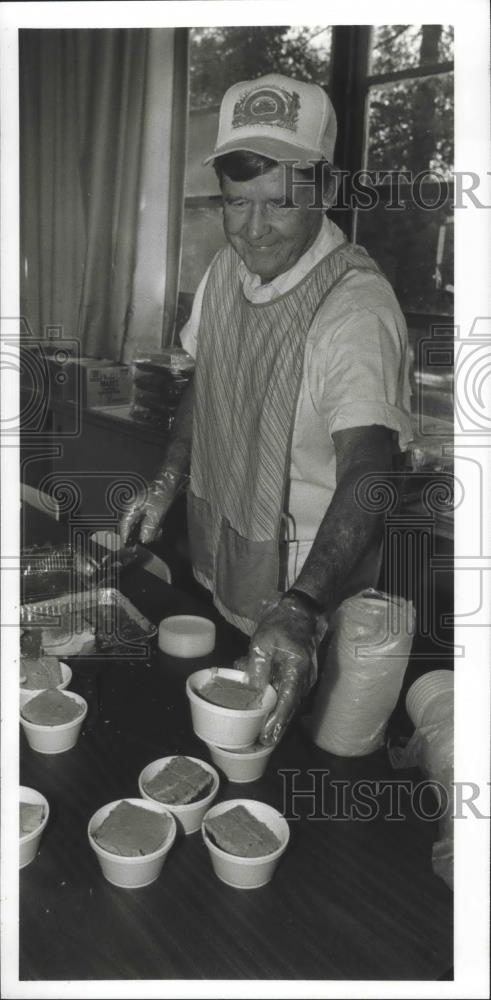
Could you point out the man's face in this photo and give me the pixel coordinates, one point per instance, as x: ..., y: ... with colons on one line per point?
x: 268, y: 235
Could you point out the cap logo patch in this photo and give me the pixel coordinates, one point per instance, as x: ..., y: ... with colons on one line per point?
x: 267, y: 106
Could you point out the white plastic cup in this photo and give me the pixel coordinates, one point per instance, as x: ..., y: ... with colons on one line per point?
x: 53, y: 739
x: 187, y: 636
x: 66, y: 677
x: 231, y: 728
x: 131, y: 872
x: 188, y: 815
x: 430, y: 698
x: 241, y: 766
x: 29, y: 842
x: 430, y: 706
x: 247, y: 873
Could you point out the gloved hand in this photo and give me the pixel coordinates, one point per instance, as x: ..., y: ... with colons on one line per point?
x: 282, y: 652
x: 142, y: 522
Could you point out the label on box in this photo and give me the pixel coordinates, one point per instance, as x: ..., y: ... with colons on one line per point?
x: 107, y: 386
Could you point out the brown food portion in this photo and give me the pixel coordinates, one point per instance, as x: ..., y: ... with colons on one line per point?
x: 230, y: 694
x: 239, y: 832
x: 51, y: 708
x: 131, y: 831
x: 42, y: 672
x: 179, y: 782
x: 31, y: 816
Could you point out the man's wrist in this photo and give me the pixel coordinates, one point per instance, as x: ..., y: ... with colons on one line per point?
x: 171, y: 477
x: 305, y: 600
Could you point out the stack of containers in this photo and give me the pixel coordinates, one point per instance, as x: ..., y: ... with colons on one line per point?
x: 159, y: 381
x: 362, y: 678
x: 430, y: 706
x: 231, y: 734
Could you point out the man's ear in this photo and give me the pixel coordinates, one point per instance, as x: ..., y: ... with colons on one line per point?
x: 330, y: 188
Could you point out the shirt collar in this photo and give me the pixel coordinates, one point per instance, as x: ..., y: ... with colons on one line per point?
x: 328, y: 237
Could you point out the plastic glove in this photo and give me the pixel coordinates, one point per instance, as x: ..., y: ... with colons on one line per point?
x: 86, y: 567
x: 142, y: 522
x: 282, y: 652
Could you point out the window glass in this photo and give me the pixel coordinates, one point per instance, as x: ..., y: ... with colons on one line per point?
x: 221, y: 56
x: 202, y: 236
x: 414, y: 248
x: 410, y: 125
x: 201, y: 181
x: 400, y: 46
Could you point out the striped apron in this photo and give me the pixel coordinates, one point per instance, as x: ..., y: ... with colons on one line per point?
x: 248, y: 373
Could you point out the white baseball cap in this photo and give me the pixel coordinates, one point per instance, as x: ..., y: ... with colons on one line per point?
x: 278, y: 117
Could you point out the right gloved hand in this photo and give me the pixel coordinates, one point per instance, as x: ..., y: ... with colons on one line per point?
x: 142, y: 522
x: 282, y: 652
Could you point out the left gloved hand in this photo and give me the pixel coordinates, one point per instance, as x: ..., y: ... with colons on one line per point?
x: 281, y: 652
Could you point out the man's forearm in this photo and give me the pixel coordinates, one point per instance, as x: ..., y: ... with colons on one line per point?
x: 348, y: 530
x: 346, y: 533
x: 177, y: 454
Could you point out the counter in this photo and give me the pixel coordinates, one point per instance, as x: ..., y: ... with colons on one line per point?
x: 351, y: 899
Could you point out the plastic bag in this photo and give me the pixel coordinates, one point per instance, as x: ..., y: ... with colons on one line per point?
x: 159, y: 381
x: 363, y: 673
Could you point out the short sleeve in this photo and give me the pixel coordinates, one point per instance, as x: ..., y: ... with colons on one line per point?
x: 189, y: 332
x: 359, y: 370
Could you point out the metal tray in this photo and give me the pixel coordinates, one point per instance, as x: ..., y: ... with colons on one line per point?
x: 117, y: 624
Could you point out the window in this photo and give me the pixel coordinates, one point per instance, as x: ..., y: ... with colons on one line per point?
x: 408, y: 154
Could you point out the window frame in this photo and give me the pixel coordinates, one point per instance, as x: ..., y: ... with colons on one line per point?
x: 350, y: 85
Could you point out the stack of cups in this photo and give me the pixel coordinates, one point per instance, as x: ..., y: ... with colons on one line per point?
x: 429, y: 700
x: 231, y: 734
x: 429, y: 704
x: 363, y: 674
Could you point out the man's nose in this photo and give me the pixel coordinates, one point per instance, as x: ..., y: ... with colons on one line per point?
x: 258, y: 223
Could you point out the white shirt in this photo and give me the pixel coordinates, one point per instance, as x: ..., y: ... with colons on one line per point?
x: 356, y: 373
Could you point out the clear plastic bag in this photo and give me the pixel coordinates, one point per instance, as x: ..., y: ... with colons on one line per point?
x: 363, y: 674
x: 159, y: 381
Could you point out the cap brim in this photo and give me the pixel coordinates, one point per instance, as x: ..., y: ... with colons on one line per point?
x: 274, y: 149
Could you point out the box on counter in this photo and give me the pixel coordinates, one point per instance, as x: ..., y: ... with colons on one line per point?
x: 97, y: 382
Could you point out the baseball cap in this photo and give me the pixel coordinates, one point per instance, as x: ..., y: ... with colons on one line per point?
x: 278, y: 117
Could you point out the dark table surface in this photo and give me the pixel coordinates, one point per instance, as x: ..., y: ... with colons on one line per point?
x: 351, y: 899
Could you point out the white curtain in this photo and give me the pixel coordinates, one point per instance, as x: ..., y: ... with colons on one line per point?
x: 103, y: 125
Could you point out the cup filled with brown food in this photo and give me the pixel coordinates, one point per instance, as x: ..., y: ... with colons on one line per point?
x: 52, y: 719
x: 225, y: 710
x: 245, y: 840
x: 131, y: 839
x: 185, y: 785
x: 41, y: 673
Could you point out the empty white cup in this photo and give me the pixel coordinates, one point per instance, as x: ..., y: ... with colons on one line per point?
x: 430, y: 698
x: 186, y: 636
x: 240, y: 872
x: 188, y: 815
x: 231, y: 728
x: 131, y: 872
x: 29, y: 842
x: 53, y: 739
x: 244, y: 765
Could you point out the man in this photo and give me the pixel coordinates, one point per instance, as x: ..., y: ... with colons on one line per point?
x: 300, y: 393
